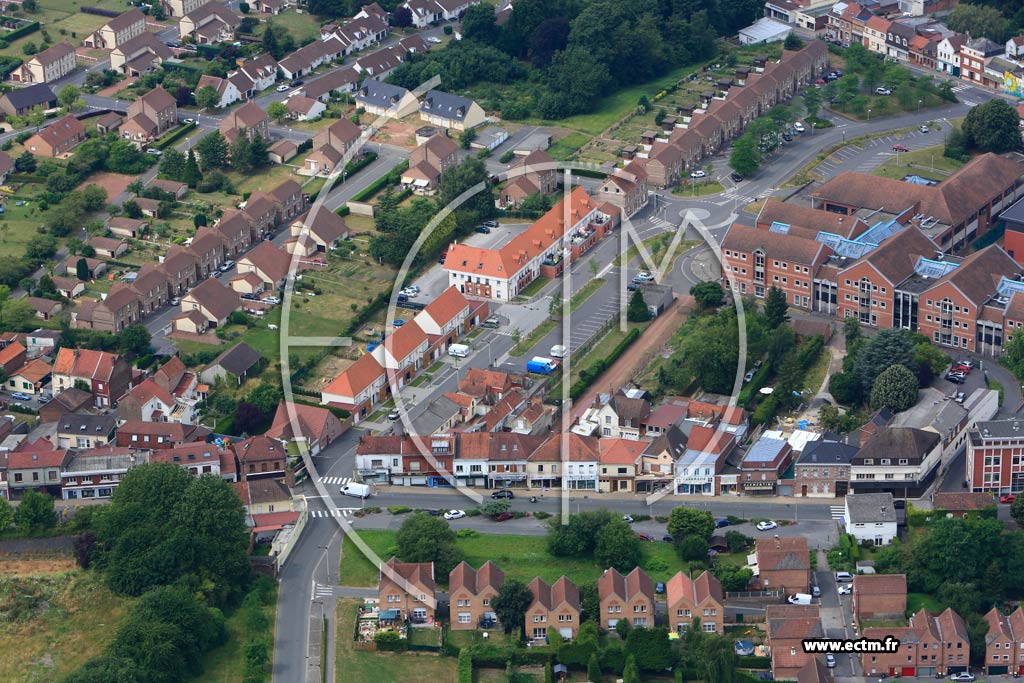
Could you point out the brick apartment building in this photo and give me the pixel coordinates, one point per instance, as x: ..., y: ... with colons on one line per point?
x: 1004, y: 642
x: 409, y: 588
x: 693, y: 601
x: 995, y: 457
x: 629, y: 597
x: 471, y: 591
x: 931, y: 644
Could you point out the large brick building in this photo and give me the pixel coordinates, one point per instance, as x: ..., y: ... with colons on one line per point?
x: 879, y: 596
x: 629, y: 597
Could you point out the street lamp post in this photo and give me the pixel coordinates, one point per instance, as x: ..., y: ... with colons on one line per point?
x: 919, y: 103
x: 869, y: 114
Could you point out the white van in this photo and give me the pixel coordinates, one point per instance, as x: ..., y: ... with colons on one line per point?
x: 458, y: 350
x: 356, y: 490
x: 799, y: 599
x: 559, y: 351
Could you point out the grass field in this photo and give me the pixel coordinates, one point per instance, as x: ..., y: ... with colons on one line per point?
x: 226, y: 663
x: 51, y: 624
x: 602, y: 349
x: 927, y: 163
x: 19, y: 224
x: 360, y: 666
x: 521, y: 557
x: 302, y: 26
x: 915, y: 601
x: 62, y: 20
x: 567, y: 146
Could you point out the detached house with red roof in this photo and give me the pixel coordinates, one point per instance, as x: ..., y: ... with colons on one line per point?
x: 447, y: 317
x: 260, y: 456
x: 556, y: 605
x: 629, y: 597
x: 300, y: 423
x: 108, y: 375
x: 787, y: 627
x: 1004, y: 642
x: 409, y: 588
x: 358, y: 388
x: 691, y: 599
x: 470, y: 594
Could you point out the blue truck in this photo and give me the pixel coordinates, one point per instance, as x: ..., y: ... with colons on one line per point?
x: 542, y: 365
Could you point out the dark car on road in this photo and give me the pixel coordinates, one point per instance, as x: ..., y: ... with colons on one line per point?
x: 736, y: 177
x: 484, y: 229
x: 645, y: 537
x: 503, y: 517
x: 504, y: 493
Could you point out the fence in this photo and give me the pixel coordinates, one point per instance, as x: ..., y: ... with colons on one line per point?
x: 775, y: 593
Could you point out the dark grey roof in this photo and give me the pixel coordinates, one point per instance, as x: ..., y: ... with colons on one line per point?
x: 672, y: 441
x: 86, y: 424
x: 1015, y: 213
x: 819, y: 452
x: 31, y: 96
x: 870, y: 507
x: 898, y: 442
x: 1001, y: 429
x: 440, y: 103
x: 238, y: 359
x: 380, y: 94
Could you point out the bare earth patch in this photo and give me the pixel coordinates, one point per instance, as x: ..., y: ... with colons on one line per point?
x: 113, y: 183
x: 31, y: 566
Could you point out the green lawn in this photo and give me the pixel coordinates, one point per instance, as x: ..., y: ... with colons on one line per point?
x: 927, y: 163
x: 562, y: 149
x: 691, y: 189
x: 301, y: 26
x: 521, y: 557
x: 18, y: 224
x: 816, y: 373
x: 225, y: 663
x: 915, y: 601
x: 603, y: 348
x: 538, y: 333
x: 534, y: 287
x: 368, y: 666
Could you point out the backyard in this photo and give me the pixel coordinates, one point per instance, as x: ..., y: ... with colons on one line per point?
x: 61, y: 20
x: 521, y: 557
x: 368, y: 666
x: 18, y: 224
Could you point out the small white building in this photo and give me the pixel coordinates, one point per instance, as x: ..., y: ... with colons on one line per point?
x: 764, y: 30
x: 870, y: 517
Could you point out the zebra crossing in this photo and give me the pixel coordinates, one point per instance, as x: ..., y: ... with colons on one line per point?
x: 336, y: 512
x: 336, y: 481
x: 838, y: 511
x: 322, y: 591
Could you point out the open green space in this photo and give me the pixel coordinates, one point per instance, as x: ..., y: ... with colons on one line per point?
x: 53, y: 623
x: 692, y: 189
x: 534, y: 287
x: 368, y: 666
x: 538, y: 333
x: 225, y: 663
x: 562, y: 149
x: 917, y: 601
x: 927, y: 163
x: 62, y: 20
x: 602, y: 348
x: 303, y: 26
x: 520, y: 557
x: 18, y: 224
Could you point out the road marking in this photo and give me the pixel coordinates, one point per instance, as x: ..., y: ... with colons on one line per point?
x: 340, y: 481
x: 322, y: 591
x: 337, y: 512
x: 838, y: 511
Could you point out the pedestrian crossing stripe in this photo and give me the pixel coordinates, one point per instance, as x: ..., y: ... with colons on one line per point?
x: 337, y: 512
x: 336, y: 481
x: 838, y: 511
x: 323, y: 591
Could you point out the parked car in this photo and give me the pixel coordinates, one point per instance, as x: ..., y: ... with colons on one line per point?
x: 767, y: 525
x: 484, y: 229
x: 883, y: 91
x: 643, y: 276
x: 830, y: 660
x: 454, y: 514
x: 175, y: 301
x: 899, y: 148
x: 698, y: 174
x: 441, y: 259
x: 272, y: 300
x: 955, y: 379
x: 188, y: 121
x: 490, y: 224
x: 844, y: 577
x: 503, y: 517
x: 433, y: 40
x: 735, y: 177
x: 226, y: 266
x: 846, y: 589
x: 627, y: 519
x: 154, y: 152
x: 659, y: 587
x: 1007, y: 498
x: 666, y: 538
x: 924, y: 129
x: 787, y: 137
x: 402, y: 298
x: 503, y: 493
x: 749, y: 376
x: 799, y: 127
x: 250, y: 297
x: 394, y: 415
x: 21, y: 397
x: 283, y: 87
x: 297, y: 82
x: 966, y: 362
x: 965, y: 676
x: 492, y: 322
x: 721, y: 523
x: 645, y: 537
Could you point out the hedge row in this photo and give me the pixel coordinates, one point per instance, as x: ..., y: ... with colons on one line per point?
x: 356, y: 165
x: 392, y: 177
x: 7, y: 65
x: 588, y: 375
x: 169, y: 140
x: 24, y: 30
x: 99, y: 11
x: 26, y: 178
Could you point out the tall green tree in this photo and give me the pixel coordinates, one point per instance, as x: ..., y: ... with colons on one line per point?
x: 776, y: 308
x: 812, y: 102
x: 172, y: 164
x: 885, y: 349
x: 207, y: 97
x: 636, y: 310
x: 631, y: 674
x: 684, y: 522
x: 134, y: 340
x: 979, y: 20
x: 213, y: 150
x: 593, y: 668
x: 719, y: 660
x: 511, y: 603
x: 35, y: 512
x: 992, y: 126
x: 745, y: 159
x: 708, y: 294
x: 277, y: 111
x: 423, y: 538
x: 6, y: 515
x: 895, y: 389
x: 190, y: 173
x: 82, y: 269
x: 617, y: 546
x: 650, y: 647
